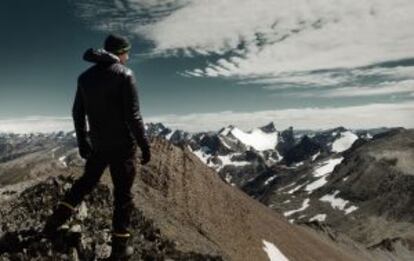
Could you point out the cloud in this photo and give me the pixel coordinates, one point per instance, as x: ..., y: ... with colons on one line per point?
x: 278, y: 44
x: 125, y: 15
x: 267, y: 36
x: 41, y: 124
x: 366, y: 116
x: 385, y: 88
x: 273, y: 37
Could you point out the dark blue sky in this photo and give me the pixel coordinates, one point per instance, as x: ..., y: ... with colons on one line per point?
x: 224, y: 69
x: 42, y: 46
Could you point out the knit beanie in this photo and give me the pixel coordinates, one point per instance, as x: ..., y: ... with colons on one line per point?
x: 117, y: 44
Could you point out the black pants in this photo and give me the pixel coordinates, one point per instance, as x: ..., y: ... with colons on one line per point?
x: 121, y: 163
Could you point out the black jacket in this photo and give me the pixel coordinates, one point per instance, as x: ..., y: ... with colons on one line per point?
x: 107, y: 95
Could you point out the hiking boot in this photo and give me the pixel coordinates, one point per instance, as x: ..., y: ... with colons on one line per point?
x: 60, y: 215
x: 121, y: 251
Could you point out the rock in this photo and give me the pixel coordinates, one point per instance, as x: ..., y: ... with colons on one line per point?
x: 72, y: 242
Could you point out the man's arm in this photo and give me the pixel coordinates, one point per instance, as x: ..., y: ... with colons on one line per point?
x: 133, y: 116
x: 79, y: 120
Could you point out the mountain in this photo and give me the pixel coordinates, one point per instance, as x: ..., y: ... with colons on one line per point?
x: 184, y: 211
x: 242, y: 156
x: 193, y: 197
x: 364, y: 193
x: 297, y: 183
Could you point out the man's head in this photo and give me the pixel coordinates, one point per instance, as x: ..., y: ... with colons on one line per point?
x: 119, y: 46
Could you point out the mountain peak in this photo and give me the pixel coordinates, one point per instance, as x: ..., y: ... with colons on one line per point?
x: 226, y: 130
x: 268, y: 128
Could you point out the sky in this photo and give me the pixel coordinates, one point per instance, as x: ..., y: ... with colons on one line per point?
x: 205, y: 64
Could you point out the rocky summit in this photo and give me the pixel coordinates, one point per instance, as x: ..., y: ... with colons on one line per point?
x: 85, y: 237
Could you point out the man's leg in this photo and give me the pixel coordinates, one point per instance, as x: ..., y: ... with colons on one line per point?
x: 123, y: 172
x: 94, y: 168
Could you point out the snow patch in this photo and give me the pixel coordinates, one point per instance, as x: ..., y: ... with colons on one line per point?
x: 201, y: 154
x: 273, y: 252
x: 322, y: 173
x: 318, y: 217
x: 257, y: 139
x: 350, y: 209
x: 226, y: 160
x: 287, y: 186
x: 338, y: 203
x: 315, y: 155
x: 267, y: 181
x: 224, y: 143
x: 168, y: 136
x: 344, y: 142
x: 316, y: 184
x: 295, y: 189
x: 228, y: 178
x: 304, y: 206
x: 298, y: 164
x: 327, y: 167
x: 280, y: 157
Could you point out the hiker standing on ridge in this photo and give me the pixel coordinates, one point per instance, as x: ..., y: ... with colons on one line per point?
x: 107, y: 95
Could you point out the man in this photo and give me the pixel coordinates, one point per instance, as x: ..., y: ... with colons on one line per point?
x: 107, y: 95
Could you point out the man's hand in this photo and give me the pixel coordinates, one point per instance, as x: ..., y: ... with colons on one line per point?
x: 146, y: 155
x: 85, y: 149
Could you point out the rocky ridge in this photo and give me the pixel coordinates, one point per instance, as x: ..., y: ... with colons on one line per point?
x: 184, y: 211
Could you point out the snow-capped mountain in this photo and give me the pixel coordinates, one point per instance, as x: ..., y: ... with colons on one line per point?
x: 296, y: 174
x: 184, y: 211
x: 238, y: 156
x: 338, y: 182
x: 241, y: 156
x: 346, y: 193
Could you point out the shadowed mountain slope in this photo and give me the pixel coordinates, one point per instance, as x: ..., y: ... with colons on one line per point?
x: 192, y: 205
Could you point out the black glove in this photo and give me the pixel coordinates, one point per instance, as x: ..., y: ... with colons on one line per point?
x: 85, y: 149
x: 146, y: 155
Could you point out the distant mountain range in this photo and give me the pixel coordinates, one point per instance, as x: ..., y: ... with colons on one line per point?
x: 240, y: 156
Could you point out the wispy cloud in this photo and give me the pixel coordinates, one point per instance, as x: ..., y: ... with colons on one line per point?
x: 272, y: 37
x: 269, y: 36
x: 336, y: 77
x: 386, y: 88
x: 41, y: 124
x: 125, y: 15
x: 276, y: 44
x: 366, y: 116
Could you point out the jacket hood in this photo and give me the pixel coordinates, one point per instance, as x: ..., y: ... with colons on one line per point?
x: 99, y: 56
